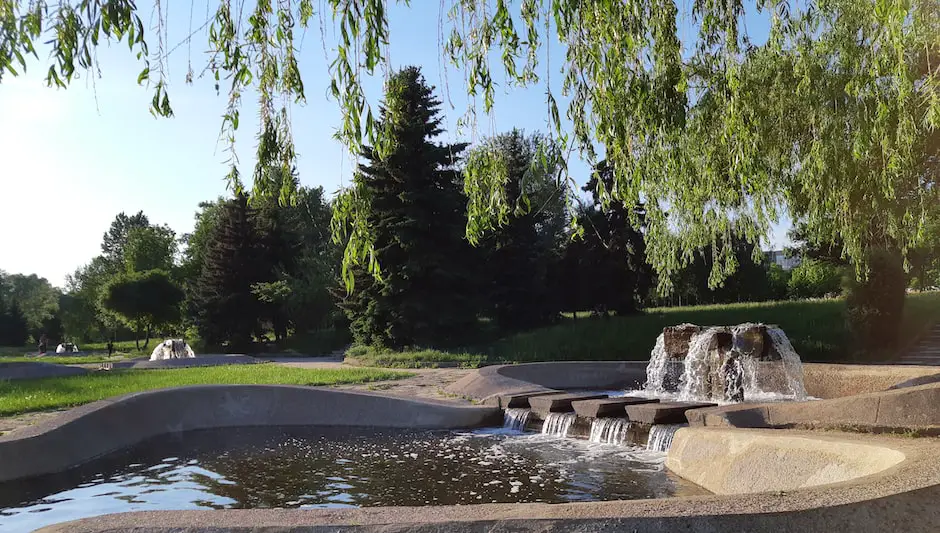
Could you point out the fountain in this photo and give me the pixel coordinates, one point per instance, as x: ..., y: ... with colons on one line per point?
x: 725, y: 364
x: 172, y: 349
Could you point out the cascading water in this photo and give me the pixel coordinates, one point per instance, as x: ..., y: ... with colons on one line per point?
x: 658, y: 367
x: 516, y: 419
x: 610, y: 430
x: 724, y: 365
x: 661, y: 436
x: 696, y: 374
x: 558, y: 424
x: 792, y: 365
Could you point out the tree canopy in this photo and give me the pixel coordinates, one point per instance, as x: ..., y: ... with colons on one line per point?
x: 835, y: 118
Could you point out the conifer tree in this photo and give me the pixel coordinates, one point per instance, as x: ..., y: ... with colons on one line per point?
x: 416, y: 211
x: 520, y: 254
x: 226, y: 308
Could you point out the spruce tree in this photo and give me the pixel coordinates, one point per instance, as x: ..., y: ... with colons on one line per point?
x: 520, y: 254
x: 226, y: 308
x: 416, y: 211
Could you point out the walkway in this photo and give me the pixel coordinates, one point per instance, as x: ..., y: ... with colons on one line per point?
x: 926, y: 351
x: 426, y: 383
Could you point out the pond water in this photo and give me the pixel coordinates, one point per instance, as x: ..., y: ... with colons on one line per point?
x: 253, y: 468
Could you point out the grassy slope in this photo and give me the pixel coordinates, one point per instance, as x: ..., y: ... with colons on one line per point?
x: 816, y: 328
x: 21, y: 396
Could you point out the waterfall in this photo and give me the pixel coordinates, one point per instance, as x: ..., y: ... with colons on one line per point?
x: 694, y: 383
x: 661, y: 436
x: 746, y: 362
x: 516, y: 419
x: 792, y: 366
x: 610, y: 430
x: 658, y: 367
x: 558, y: 424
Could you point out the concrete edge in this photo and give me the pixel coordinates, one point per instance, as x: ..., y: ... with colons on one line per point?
x: 115, y: 423
x: 909, y: 409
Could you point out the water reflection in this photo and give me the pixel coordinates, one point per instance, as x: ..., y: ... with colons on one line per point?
x: 316, y: 468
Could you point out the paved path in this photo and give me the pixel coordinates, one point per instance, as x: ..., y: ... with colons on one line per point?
x: 426, y: 383
x: 925, y: 352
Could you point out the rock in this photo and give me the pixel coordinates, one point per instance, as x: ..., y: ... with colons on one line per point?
x: 676, y: 339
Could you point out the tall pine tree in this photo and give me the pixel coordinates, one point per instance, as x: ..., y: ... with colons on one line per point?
x: 520, y: 254
x: 225, y: 307
x: 424, y: 297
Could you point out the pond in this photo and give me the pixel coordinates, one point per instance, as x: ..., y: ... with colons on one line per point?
x: 252, y: 468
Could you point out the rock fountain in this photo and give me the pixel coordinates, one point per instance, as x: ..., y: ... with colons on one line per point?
x: 172, y: 349
x: 725, y: 364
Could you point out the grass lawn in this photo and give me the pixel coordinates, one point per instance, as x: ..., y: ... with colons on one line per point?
x: 20, y: 396
x: 815, y: 327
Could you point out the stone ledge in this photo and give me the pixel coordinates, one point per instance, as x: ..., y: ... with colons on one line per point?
x: 559, y: 403
x: 663, y: 412
x: 607, y: 407
x: 521, y: 400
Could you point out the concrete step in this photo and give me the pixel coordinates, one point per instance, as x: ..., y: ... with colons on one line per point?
x: 559, y: 403
x: 663, y: 412
x: 521, y: 400
x: 607, y: 407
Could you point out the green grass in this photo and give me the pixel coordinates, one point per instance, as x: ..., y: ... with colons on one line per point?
x: 815, y: 327
x: 413, y: 359
x: 20, y: 396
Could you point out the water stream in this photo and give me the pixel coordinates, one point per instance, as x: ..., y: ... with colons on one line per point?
x: 661, y: 436
x: 558, y: 424
x: 610, y: 431
x: 516, y: 419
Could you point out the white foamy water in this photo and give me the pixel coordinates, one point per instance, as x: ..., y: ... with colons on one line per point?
x: 661, y: 436
x: 610, y: 431
x: 516, y: 419
x: 702, y: 370
x: 558, y: 424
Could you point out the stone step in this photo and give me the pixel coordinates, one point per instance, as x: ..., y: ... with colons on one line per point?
x: 521, y: 400
x: 663, y: 412
x: 559, y: 403
x: 612, y: 407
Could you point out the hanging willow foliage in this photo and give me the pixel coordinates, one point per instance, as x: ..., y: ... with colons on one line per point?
x: 835, y: 118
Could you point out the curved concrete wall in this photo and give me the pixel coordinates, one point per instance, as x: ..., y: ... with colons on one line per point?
x: 745, y: 461
x: 910, y: 408
x: 92, y: 430
x: 528, y: 377
x: 836, y: 381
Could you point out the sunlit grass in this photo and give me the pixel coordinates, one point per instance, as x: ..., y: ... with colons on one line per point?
x: 815, y: 327
x: 20, y: 396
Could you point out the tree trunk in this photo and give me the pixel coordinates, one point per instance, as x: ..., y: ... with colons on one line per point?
x: 147, y: 339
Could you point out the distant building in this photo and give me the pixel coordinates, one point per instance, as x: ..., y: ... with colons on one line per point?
x: 779, y: 257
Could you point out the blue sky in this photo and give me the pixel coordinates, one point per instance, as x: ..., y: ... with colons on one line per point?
x: 70, y: 160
